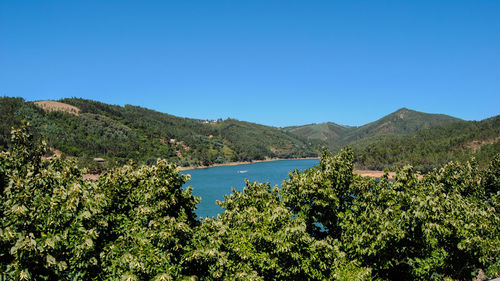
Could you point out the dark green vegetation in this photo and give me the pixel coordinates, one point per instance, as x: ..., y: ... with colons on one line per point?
x: 423, y: 140
x: 327, y: 134
x: 118, y: 134
x: 434, y: 147
x: 326, y: 223
x: 401, y: 122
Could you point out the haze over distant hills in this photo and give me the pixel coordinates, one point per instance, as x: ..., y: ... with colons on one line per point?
x: 86, y: 129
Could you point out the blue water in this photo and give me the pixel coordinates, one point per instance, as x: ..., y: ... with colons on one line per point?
x: 212, y: 184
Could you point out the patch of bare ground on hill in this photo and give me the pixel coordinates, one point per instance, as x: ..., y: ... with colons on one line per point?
x: 179, y: 146
x: 91, y: 176
x: 476, y: 145
x: 50, y: 106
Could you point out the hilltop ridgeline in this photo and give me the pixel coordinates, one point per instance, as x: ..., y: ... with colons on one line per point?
x: 402, y: 122
x: 87, y: 129
x: 423, y: 140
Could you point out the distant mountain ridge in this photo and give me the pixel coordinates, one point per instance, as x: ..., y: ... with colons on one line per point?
x: 86, y: 129
x: 433, y: 147
x: 329, y: 134
x: 402, y: 121
x: 423, y: 140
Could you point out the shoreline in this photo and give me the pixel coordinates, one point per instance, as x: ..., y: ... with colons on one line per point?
x: 364, y: 173
x: 372, y: 173
x: 181, y: 169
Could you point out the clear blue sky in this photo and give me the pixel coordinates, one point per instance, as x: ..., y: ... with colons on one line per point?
x: 277, y: 63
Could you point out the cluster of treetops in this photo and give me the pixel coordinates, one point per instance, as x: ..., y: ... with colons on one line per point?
x: 137, y: 222
x: 118, y: 134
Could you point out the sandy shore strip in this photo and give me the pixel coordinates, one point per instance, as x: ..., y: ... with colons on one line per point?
x: 364, y: 173
x: 242, y: 163
x: 373, y: 173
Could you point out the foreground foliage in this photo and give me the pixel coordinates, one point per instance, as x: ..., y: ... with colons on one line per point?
x: 133, y: 222
x: 325, y: 223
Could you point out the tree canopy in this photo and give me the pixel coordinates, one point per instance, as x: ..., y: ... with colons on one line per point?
x: 136, y: 222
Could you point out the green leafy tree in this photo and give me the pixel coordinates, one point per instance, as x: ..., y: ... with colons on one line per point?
x: 258, y: 238
x: 148, y: 220
x: 45, y: 226
x: 134, y: 223
x: 438, y: 226
x: 442, y: 225
x: 138, y: 223
x: 321, y: 195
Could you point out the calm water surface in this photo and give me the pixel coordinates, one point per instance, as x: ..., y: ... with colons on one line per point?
x: 212, y: 184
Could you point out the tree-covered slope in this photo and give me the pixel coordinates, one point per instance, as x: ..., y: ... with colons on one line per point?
x: 433, y: 147
x: 401, y: 122
x: 328, y: 134
x: 87, y: 129
x: 406, y: 136
x: 118, y: 134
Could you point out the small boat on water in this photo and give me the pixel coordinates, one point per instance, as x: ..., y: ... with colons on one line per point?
x: 242, y: 172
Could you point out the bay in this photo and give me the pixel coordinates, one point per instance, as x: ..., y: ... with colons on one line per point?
x: 212, y: 184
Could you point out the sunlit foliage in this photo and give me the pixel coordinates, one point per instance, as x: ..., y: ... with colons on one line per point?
x: 138, y: 223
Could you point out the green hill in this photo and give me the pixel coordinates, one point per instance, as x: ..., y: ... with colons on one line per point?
x: 87, y: 129
x: 433, y: 147
x: 327, y: 134
x: 401, y: 122
x: 406, y: 136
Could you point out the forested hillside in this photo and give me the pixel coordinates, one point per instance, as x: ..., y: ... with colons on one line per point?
x: 401, y: 122
x: 86, y: 129
x: 433, y: 147
x: 423, y: 140
x: 117, y: 134
x: 328, y: 134
x: 325, y: 223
